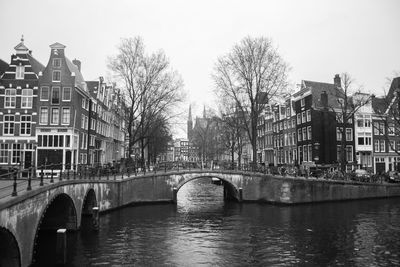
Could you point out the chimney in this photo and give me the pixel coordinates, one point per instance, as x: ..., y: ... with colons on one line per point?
x: 337, y: 81
x: 77, y: 63
x: 324, y: 99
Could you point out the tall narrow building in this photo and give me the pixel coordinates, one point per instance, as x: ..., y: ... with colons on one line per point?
x: 18, y: 110
x: 64, y: 105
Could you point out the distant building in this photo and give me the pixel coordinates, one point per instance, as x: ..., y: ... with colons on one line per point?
x: 18, y: 108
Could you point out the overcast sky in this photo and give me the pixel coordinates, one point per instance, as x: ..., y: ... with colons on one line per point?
x: 317, y: 38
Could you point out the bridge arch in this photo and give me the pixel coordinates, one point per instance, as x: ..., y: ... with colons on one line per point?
x: 9, y: 250
x: 231, y: 190
x: 60, y: 212
x: 89, y: 202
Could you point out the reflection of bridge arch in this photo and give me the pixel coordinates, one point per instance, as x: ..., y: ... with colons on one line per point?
x: 9, y: 249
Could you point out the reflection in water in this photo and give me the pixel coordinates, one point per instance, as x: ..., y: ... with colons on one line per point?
x: 204, y: 230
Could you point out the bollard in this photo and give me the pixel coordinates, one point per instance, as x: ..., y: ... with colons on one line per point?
x: 95, y: 218
x: 174, y: 195
x: 14, y: 192
x: 41, y: 177
x: 51, y: 175
x: 61, y: 246
x: 29, y: 188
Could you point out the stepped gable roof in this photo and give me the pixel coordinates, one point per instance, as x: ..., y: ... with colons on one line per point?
x: 79, y: 81
x: 3, y: 66
x: 36, y: 65
x: 317, y: 88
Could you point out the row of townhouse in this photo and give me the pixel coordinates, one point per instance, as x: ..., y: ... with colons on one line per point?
x: 305, y: 130
x: 51, y: 115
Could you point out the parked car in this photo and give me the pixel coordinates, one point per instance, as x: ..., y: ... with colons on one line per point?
x: 394, y: 177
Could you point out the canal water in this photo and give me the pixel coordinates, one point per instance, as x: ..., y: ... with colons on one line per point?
x: 203, y: 230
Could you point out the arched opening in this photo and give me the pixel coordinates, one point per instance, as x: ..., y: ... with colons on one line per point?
x: 229, y: 191
x: 89, y: 203
x: 59, y: 214
x: 9, y: 250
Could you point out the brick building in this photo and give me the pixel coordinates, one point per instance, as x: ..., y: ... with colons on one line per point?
x: 18, y: 108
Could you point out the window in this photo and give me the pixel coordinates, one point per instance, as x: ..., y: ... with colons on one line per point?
x: 360, y: 123
x: 302, y: 102
x: 391, y: 128
x: 376, y: 145
x: 44, y: 93
x: 25, y: 128
x: 4, y: 148
x: 349, y: 153
x: 309, y: 115
x: 16, y: 153
x: 349, y: 134
x: 376, y: 128
x: 392, y: 146
x: 368, y: 141
x: 367, y: 123
x: 305, y: 153
x: 65, y: 117
x: 55, y: 116
x: 44, y: 115
x: 299, y: 135
x: 339, y: 134
x: 56, y: 75
x: 8, y: 125
x: 83, y: 103
x: 66, y: 94
x: 298, y: 119
x: 382, y: 128
x: 10, y: 98
x: 294, y: 138
x: 310, y: 153
x: 303, y: 116
x: 56, y: 62
x: 55, y: 95
x: 19, y: 72
x: 26, y: 99
x: 339, y: 149
x: 382, y: 146
x: 300, y: 154
x: 361, y: 141
x: 304, y: 133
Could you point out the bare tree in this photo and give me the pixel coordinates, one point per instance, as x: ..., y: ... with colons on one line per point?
x: 251, y: 75
x: 151, y: 88
x: 347, y: 107
x: 232, y: 131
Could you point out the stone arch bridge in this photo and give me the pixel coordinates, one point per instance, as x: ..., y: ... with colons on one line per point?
x: 64, y: 203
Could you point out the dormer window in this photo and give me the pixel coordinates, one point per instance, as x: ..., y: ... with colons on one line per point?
x: 56, y: 62
x: 19, y: 72
x: 56, y: 75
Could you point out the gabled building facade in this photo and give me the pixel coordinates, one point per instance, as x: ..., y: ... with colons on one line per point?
x: 63, y: 107
x: 319, y: 125
x: 18, y: 108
